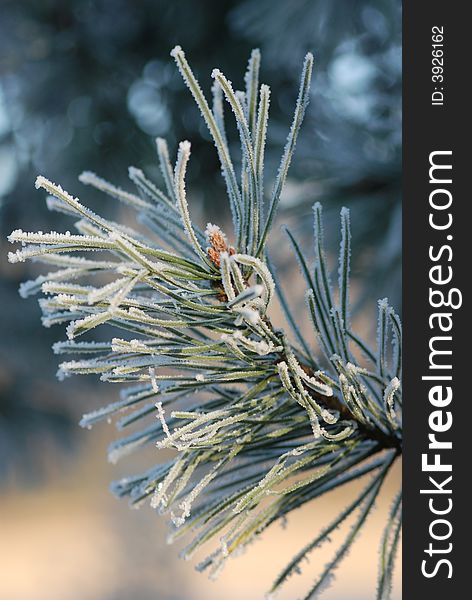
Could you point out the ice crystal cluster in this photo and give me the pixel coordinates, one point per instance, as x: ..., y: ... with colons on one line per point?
x: 260, y: 424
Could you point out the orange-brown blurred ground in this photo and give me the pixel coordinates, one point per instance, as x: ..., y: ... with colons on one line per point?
x: 69, y: 539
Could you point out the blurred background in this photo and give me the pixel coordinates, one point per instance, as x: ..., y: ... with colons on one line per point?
x: 89, y: 84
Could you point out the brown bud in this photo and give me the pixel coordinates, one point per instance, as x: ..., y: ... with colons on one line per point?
x: 214, y: 256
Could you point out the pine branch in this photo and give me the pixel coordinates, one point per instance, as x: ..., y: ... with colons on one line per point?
x: 259, y: 427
